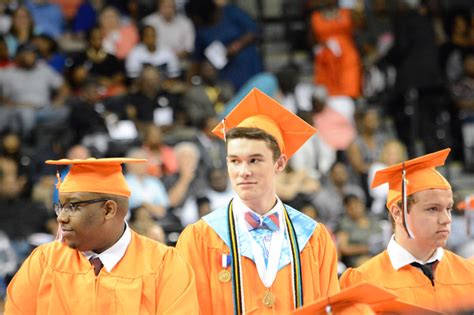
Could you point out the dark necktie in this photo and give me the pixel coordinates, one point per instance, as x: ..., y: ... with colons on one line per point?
x: 427, y: 269
x: 269, y: 222
x: 97, y: 264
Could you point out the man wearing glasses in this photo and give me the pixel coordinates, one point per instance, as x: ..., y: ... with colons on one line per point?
x: 99, y: 265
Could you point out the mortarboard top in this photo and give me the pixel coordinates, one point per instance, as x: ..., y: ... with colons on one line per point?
x: 357, y: 299
x: 261, y: 111
x: 420, y: 174
x: 398, y: 307
x: 95, y: 175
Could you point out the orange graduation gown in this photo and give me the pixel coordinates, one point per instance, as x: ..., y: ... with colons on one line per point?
x: 341, y: 74
x: 151, y: 278
x: 453, y: 281
x: 203, y: 248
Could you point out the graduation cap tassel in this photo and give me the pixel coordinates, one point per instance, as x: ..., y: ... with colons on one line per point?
x: 405, y: 203
x: 224, y: 129
x: 468, y: 213
x: 58, y: 176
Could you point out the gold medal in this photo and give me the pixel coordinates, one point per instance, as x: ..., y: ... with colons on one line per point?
x: 224, y: 275
x: 268, y: 299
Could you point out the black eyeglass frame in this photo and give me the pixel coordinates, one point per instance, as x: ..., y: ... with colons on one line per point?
x: 72, y: 206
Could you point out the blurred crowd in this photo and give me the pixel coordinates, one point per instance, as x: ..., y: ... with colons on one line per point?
x: 150, y: 79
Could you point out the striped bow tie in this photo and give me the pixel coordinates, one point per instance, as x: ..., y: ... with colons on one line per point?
x: 270, y: 222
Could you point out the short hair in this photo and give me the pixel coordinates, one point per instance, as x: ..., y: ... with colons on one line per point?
x: 255, y: 134
x: 411, y: 200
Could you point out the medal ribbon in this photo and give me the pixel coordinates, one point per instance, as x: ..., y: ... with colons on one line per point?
x: 237, y: 286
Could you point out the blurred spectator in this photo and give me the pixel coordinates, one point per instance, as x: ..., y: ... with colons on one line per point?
x: 49, y: 52
x: 69, y: 8
x: 84, y: 19
x: 315, y: 157
x: 183, y: 184
x: 48, y: 17
x: 5, y: 19
x: 87, y: 118
x: 461, y: 237
x: 147, y: 101
x: 393, y: 152
x: 96, y: 61
x: 173, y: 31
x: 19, y: 216
x: 367, y: 146
x: 462, y: 92
x: 417, y: 97
x: 147, y: 191
x: 458, y: 29
x: 335, y: 128
x: 161, y: 157
x: 5, y: 60
x: 206, y: 97
x: 12, y: 147
x: 212, y: 149
x: 119, y: 35
x: 142, y: 222
x: 293, y: 185
x: 337, y: 63
x: 26, y: 93
x: 216, y: 194
x: 358, y: 235
x: 231, y: 27
x: 21, y: 31
x: 149, y: 51
x: 8, y: 264
x: 329, y: 199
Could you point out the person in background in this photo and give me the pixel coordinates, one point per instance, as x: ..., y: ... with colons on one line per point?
x: 256, y: 254
x: 119, y: 35
x: 415, y: 266
x: 174, y: 31
x: 21, y: 31
x: 110, y: 268
x: 149, y: 51
x: 148, y: 192
x: 393, y: 152
x: 358, y: 234
x: 337, y: 63
x: 329, y: 200
x: 235, y: 30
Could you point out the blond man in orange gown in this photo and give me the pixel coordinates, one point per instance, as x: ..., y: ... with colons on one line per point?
x: 415, y: 266
x: 257, y: 255
x: 100, y: 266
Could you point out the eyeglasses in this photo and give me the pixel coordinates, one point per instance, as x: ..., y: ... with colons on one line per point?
x: 72, y: 207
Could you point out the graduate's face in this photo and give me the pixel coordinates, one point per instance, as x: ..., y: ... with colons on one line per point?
x: 252, y: 169
x: 430, y: 217
x: 82, y: 229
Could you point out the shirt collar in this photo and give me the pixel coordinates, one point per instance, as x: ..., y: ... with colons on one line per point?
x: 112, y: 255
x: 240, y: 209
x: 400, y: 257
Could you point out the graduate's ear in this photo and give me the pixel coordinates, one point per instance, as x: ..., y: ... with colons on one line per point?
x: 397, y: 214
x: 110, y: 209
x: 280, y: 163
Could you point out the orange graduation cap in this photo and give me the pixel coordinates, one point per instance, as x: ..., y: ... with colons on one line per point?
x: 261, y: 111
x: 420, y: 175
x: 95, y: 175
x: 412, y: 176
x: 354, y: 300
x: 362, y: 298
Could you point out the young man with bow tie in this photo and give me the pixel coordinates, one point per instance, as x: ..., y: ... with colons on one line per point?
x: 415, y: 266
x: 257, y: 254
